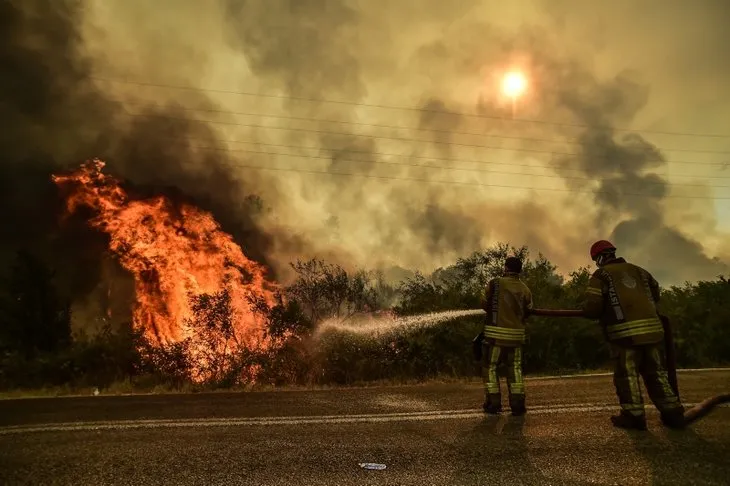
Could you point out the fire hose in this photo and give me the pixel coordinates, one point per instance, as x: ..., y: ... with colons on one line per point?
x: 695, y: 413
x: 702, y: 408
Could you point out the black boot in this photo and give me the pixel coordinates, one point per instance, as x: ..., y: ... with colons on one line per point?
x: 627, y: 421
x: 674, y: 419
x: 517, y: 405
x: 493, y: 404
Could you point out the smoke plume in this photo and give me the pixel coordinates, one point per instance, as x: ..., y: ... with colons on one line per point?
x: 55, y: 117
x: 369, y: 134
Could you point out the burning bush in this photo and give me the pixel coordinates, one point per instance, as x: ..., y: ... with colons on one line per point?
x: 193, y: 284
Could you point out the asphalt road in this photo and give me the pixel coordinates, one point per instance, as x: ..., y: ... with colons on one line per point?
x: 430, y: 434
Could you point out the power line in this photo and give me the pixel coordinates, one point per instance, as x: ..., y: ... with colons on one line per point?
x: 407, y: 108
x: 401, y: 139
x: 460, y: 169
x: 428, y: 157
x: 397, y: 127
x: 421, y: 157
x: 240, y: 165
x: 466, y: 183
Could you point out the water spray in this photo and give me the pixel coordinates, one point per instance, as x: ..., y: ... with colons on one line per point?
x: 385, y: 323
x: 389, y: 322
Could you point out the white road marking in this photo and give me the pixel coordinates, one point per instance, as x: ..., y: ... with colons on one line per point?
x: 293, y: 420
x: 589, y: 375
x: 533, y: 378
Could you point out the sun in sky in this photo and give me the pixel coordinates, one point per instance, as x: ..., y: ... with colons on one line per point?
x: 514, y: 84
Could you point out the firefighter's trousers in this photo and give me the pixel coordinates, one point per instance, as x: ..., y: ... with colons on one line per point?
x: 494, y: 356
x: 647, y: 361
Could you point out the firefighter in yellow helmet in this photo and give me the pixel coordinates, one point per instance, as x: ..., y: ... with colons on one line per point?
x: 623, y: 297
x: 508, y: 302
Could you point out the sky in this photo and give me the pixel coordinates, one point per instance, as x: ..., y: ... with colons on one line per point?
x: 336, y: 117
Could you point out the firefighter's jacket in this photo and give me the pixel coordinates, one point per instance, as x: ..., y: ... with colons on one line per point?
x: 623, y: 297
x: 508, y: 302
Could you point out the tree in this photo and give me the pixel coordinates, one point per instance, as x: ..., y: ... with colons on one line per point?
x: 458, y: 286
x: 700, y: 314
x: 214, y: 340
x: 327, y: 291
x: 35, y: 328
x: 481, y: 266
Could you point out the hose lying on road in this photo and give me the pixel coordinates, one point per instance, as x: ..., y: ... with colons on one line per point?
x: 706, y: 406
x: 701, y: 409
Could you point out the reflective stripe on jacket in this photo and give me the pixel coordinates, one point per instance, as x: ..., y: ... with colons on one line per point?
x: 505, y: 334
x: 630, y: 329
x: 507, y: 301
x: 623, y: 297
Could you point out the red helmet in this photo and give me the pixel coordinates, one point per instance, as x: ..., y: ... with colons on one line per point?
x: 599, y: 247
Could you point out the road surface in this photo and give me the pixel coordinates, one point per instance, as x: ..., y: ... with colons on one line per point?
x: 429, y: 434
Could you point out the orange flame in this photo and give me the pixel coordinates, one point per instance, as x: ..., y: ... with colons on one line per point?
x: 173, y: 253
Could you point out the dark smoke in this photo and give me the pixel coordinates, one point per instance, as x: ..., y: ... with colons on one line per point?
x: 622, y: 164
x: 54, y: 118
x: 436, y: 120
x: 43, y: 86
x: 623, y: 167
x: 160, y: 151
x: 299, y: 45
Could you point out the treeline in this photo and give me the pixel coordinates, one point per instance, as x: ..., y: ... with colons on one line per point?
x: 37, y: 347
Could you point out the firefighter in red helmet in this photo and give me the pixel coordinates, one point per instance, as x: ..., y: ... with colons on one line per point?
x: 623, y: 297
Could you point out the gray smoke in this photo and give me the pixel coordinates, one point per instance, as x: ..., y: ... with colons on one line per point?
x: 270, y: 163
x: 334, y: 50
x: 628, y: 188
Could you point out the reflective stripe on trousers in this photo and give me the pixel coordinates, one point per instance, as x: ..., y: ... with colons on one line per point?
x: 513, y: 359
x: 491, y: 379
x: 626, y: 380
x: 648, y: 362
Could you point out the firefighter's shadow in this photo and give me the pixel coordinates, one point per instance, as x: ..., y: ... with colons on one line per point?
x: 495, y: 447
x: 672, y: 455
